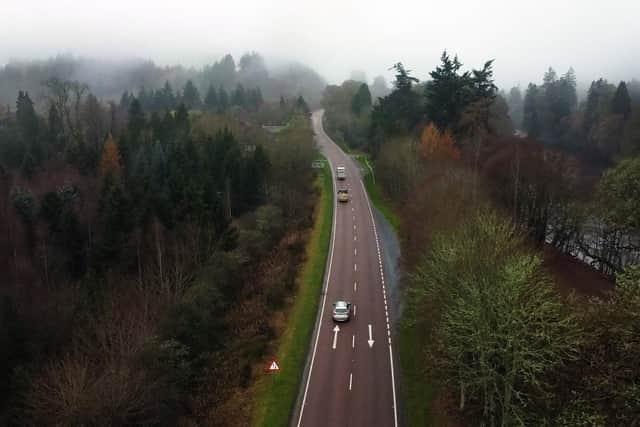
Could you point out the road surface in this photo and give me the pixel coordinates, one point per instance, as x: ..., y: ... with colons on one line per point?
x: 350, y: 379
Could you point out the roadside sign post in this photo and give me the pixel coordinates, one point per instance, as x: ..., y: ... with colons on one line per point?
x: 273, y: 366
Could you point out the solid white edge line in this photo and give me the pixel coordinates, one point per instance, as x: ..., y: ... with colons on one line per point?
x: 393, y: 380
x: 326, y: 288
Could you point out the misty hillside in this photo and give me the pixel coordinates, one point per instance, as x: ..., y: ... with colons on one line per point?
x: 109, y: 79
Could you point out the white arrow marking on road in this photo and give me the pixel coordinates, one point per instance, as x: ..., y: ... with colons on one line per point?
x: 335, y: 336
x: 370, y: 338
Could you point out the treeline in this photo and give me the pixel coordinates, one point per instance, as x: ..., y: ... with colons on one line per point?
x: 109, y: 80
x: 144, y: 255
x: 487, y: 328
x: 216, y: 100
x: 604, y: 127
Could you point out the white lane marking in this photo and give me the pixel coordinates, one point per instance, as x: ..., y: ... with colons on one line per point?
x: 355, y: 286
x: 335, y: 336
x: 354, y: 227
x: 353, y: 341
x: 393, y: 380
x: 354, y: 310
x: 355, y: 251
x: 355, y: 267
x: 350, y: 380
x: 354, y: 217
x: 370, y: 341
x: 353, y: 209
x: 324, y: 298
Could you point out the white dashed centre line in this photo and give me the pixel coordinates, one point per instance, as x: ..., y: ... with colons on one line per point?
x: 353, y: 341
x: 355, y: 251
x: 350, y: 380
x: 355, y: 267
x: 355, y: 286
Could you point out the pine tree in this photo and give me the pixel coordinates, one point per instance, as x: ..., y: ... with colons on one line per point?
x: 168, y: 96
x: 29, y: 130
x: 621, y: 103
x: 399, y: 111
x: 55, y: 129
x: 531, y: 119
x: 238, y: 97
x: 182, y: 119
x: 223, y: 99
x: 211, y: 99
x: 301, y: 105
x: 191, y: 96
x: 361, y: 101
x: 136, y: 120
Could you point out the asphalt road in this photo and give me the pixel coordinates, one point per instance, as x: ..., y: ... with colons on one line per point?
x: 352, y: 384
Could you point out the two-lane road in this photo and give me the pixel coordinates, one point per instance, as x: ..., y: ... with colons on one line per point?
x: 350, y: 380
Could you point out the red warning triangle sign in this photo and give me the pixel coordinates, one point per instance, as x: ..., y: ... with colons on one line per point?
x: 274, y: 366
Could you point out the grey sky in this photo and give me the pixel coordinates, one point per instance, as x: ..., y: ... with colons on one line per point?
x: 597, y: 38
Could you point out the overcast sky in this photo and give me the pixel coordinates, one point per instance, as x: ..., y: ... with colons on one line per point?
x: 596, y: 37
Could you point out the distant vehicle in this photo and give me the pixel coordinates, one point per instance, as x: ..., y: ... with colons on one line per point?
x: 341, y: 173
x: 341, y: 311
x: 343, y: 195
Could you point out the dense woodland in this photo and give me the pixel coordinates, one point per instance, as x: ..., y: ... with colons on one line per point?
x: 504, y: 341
x: 146, y: 246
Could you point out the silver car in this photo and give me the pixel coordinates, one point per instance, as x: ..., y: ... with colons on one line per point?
x: 341, y: 311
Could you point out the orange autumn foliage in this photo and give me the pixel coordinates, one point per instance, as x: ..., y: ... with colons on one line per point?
x: 438, y: 146
x: 110, y: 159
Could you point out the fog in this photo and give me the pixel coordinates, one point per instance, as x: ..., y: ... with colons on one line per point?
x: 335, y: 36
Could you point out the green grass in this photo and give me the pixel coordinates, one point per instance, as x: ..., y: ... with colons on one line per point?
x: 382, y: 203
x: 276, y: 393
x: 416, y: 393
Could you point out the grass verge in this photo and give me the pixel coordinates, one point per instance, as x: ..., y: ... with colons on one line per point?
x: 416, y: 393
x: 276, y: 393
x: 376, y: 196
